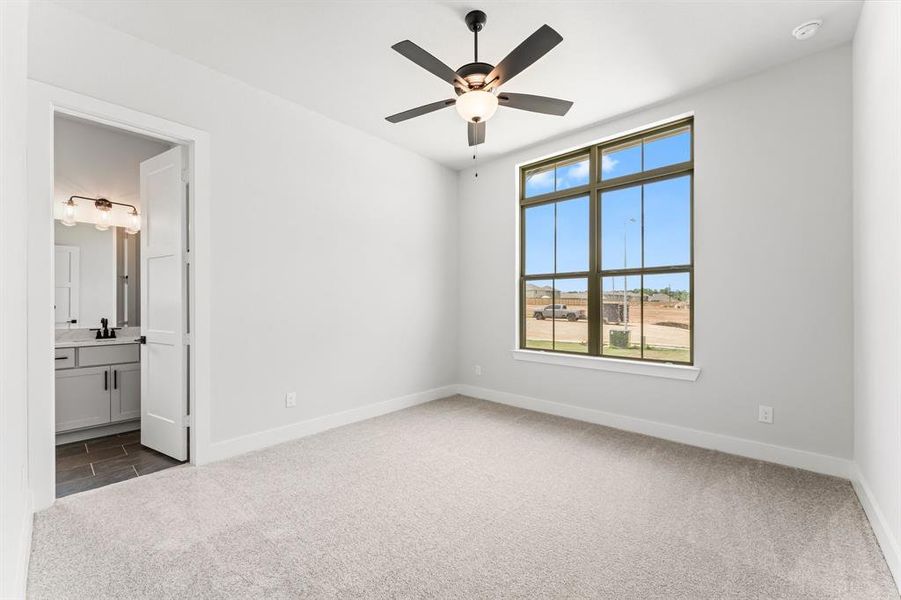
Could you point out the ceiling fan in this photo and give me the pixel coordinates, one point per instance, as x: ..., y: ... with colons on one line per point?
x: 477, y: 83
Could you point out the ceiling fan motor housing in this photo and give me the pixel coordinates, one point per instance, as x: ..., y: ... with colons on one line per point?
x: 474, y: 73
x: 475, y: 20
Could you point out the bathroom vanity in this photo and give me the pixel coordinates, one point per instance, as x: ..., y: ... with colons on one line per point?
x: 98, y: 382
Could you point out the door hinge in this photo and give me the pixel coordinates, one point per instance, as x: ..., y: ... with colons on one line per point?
x: 186, y: 421
x: 184, y: 176
x: 187, y: 340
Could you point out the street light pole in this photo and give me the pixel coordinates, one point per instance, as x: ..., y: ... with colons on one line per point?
x: 625, y: 277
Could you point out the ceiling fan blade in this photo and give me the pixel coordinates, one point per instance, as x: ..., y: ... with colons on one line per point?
x: 476, y: 133
x: 539, y: 104
x: 429, y: 62
x: 534, y: 47
x: 420, y: 110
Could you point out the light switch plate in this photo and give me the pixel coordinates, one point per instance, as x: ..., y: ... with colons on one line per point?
x: 765, y: 414
x: 291, y: 399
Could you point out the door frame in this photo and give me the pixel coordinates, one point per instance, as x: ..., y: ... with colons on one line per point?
x: 44, y: 103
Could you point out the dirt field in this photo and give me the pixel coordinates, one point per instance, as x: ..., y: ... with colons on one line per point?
x: 666, y: 331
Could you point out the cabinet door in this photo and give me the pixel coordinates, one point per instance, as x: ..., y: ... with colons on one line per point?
x: 82, y: 398
x: 125, y: 402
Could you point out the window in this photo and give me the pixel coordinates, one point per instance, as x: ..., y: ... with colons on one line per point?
x: 606, y: 249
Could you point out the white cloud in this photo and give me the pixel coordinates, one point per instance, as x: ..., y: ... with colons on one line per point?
x: 607, y: 163
x: 580, y: 170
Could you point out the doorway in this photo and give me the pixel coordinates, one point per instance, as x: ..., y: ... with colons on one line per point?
x: 146, y: 388
x: 117, y: 414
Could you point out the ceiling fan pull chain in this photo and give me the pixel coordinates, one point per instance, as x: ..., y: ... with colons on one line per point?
x: 475, y: 157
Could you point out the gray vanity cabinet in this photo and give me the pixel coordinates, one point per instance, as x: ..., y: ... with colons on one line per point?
x: 125, y: 401
x: 97, y: 386
x: 82, y: 398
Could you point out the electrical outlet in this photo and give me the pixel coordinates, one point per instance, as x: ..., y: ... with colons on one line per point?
x: 765, y: 414
x: 477, y: 369
x: 290, y: 399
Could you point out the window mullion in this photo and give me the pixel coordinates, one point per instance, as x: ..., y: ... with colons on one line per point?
x: 641, y: 290
x: 594, y: 281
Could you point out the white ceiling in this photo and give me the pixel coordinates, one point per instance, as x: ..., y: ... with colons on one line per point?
x: 99, y: 162
x: 336, y: 57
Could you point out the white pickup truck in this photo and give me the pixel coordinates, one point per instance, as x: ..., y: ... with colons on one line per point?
x: 559, y: 311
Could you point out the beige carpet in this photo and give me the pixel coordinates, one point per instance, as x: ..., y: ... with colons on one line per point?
x: 461, y: 498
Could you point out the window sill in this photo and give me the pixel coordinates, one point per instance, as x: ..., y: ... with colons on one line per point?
x: 665, y: 370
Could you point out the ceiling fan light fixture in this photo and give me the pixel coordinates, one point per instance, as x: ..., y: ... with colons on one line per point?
x: 476, y: 106
x: 477, y: 83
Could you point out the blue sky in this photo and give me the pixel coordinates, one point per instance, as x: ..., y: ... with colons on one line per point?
x: 666, y: 216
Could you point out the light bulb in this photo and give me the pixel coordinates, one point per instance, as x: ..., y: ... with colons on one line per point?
x: 69, y: 213
x: 477, y: 106
x: 134, y: 223
x: 104, y: 220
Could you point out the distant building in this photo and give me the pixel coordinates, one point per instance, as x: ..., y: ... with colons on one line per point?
x: 540, y: 291
x: 660, y: 297
x: 617, y: 296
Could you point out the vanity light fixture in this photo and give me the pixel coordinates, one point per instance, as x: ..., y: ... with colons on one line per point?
x: 134, y: 222
x: 69, y: 213
x: 105, y: 208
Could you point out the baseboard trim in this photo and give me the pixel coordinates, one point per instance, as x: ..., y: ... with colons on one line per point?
x: 278, y: 435
x: 23, y: 559
x: 891, y: 550
x: 92, y: 432
x: 791, y: 457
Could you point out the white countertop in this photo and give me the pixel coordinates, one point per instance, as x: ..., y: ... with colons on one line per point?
x: 108, y: 342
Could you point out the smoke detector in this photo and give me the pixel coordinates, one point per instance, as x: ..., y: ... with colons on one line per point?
x: 807, y: 30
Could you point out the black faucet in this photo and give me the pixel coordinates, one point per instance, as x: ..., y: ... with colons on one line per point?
x: 103, y: 332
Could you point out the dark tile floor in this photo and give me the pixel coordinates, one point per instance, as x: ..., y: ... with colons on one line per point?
x: 101, y: 461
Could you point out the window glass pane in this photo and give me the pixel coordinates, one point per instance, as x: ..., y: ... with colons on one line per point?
x: 572, y: 173
x: 669, y: 149
x: 572, y: 235
x: 621, y: 228
x: 539, y: 242
x: 621, y: 160
x: 667, y: 222
x: 667, y: 317
x: 538, y: 314
x: 539, y: 181
x: 571, y: 315
x: 621, y: 316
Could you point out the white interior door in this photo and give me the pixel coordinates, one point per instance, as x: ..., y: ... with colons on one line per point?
x: 163, y: 372
x: 66, y: 266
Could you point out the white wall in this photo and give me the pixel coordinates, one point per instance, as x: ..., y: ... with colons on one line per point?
x: 97, y: 271
x: 15, y: 497
x: 877, y: 265
x: 334, y: 253
x: 772, y: 237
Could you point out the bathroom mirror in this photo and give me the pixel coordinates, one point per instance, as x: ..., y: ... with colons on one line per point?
x: 96, y: 276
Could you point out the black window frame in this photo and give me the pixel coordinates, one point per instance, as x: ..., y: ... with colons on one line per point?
x: 595, y: 274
